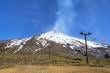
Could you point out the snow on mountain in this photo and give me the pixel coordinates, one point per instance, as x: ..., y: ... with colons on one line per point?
x: 61, y: 38
x: 51, y: 38
x: 57, y: 37
x: 21, y: 46
x: 17, y: 42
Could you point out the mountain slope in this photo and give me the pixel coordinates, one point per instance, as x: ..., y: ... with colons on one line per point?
x: 63, y: 39
x: 58, y: 43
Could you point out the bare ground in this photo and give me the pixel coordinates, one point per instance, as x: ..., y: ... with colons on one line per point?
x: 54, y: 69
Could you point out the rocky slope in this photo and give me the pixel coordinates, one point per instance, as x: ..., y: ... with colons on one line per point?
x: 55, y: 43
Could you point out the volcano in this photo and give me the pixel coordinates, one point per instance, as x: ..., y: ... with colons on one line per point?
x: 56, y: 43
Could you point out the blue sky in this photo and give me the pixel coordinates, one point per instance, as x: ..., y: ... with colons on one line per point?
x: 24, y: 18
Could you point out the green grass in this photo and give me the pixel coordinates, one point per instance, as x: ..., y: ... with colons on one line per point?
x: 51, y: 64
x: 54, y: 60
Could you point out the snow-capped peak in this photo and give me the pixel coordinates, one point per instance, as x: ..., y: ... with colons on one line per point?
x: 61, y: 38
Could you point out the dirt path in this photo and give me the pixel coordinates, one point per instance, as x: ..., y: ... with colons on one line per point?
x: 54, y: 69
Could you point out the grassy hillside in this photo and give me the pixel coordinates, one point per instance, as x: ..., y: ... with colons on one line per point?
x: 50, y: 60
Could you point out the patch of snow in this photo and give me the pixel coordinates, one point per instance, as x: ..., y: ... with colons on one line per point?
x: 21, y: 46
x: 46, y: 45
x: 72, y: 47
x: 76, y: 52
x: 38, y: 49
x: 17, y: 42
x: 64, y: 46
x: 37, y: 43
x: 42, y: 41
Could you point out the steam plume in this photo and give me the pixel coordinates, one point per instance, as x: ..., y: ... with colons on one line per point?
x: 65, y: 16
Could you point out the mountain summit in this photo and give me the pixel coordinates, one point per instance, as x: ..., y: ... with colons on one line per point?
x: 61, y: 38
x: 57, y: 42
